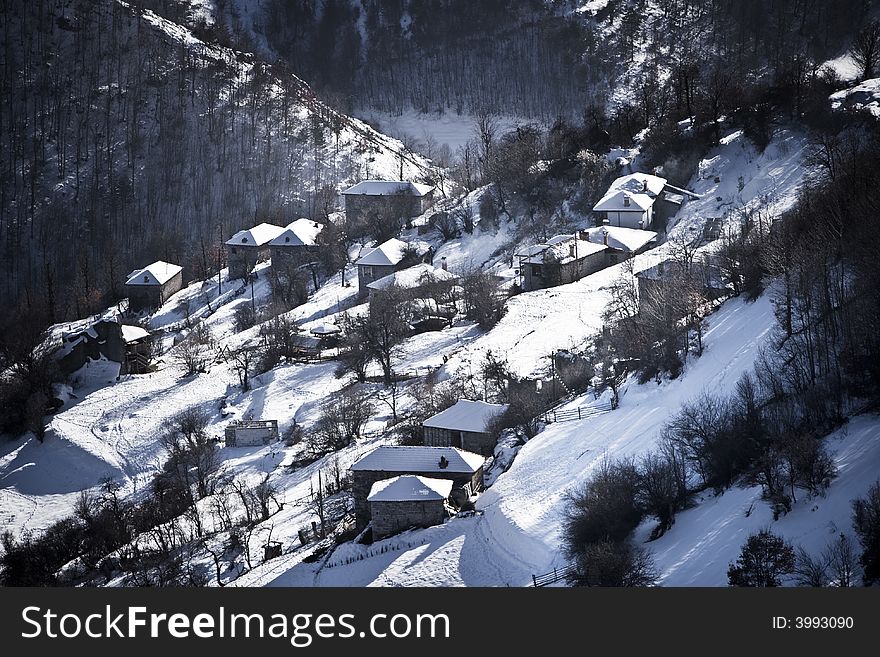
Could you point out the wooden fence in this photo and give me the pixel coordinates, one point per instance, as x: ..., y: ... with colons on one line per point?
x: 556, y: 575
x: 579, y: 413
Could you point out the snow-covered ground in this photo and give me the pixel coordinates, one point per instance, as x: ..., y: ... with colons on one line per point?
x: 706, y: 539
x: 516, y: 531
x: 115, y: 430
x: 564, y: 317
x: 864, y: 96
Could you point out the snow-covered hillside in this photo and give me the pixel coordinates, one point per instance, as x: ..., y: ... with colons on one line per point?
x: 115, y: 430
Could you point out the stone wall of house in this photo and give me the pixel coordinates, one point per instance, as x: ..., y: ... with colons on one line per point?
x: 437, y: 437
x: 478, y: 443
x: 289, y: 258
x: 470, y: 441
x: 143, y: 297
x: 394, y: 517
x: 146, y: 297
x: 402, y: 206
x: 369, y: 273
x: 243, y: 258
x: 663, y: 211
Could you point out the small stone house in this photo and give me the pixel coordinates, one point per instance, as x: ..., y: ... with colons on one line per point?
x: 426, y: 294
x: 640, y: 201
x: 463, y: 469
x: 150, y: 287
x: 387, y: 258
x: 395, y: 198
x: 295, y: 246
x: 251, y: 433
x: 465, y: 424
x: 248, y: 247
x: 562, y: 259
x: 407, y: 501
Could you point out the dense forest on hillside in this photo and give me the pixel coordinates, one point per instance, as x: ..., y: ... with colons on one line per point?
x: 122, y: 144
x: 542, y: 59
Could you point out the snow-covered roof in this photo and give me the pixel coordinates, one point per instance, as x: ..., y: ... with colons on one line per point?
x: 410, y: 488
x: 256, y: 236
x: 387, y: 253
x: 623, y: 239
x: 158, y: 273
x: 560, y: 247
x: 412, y: 277
x: 302, y: 232
x: 133, y: 333
x: 639, y: 190
x: 419, y: 459
x: 325, y: 329
x: 466, y: 415
x: 389, y: 188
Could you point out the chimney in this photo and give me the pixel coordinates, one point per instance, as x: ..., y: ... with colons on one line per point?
x: 605, y: 236
x: 644, y: 185
x: 625, y: 200
x: 443, y: 265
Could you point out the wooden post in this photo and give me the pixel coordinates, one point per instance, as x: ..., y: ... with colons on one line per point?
x: 534, y: 581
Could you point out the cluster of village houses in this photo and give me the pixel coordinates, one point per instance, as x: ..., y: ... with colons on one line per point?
x: 395, y: 488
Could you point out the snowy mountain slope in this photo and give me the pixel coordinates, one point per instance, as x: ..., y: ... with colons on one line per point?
x: 706, y: 539
x: 190, y: 140
x: 541, y: 322
x: 516, y: 531
x: 116, y: 430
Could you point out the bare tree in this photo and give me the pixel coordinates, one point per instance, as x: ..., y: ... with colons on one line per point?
x: 843, y: 560
x: 191, y: 356
x: 243, y: 361
x: 341, y: 421
x: 809, y: 570
x: 865, y: 49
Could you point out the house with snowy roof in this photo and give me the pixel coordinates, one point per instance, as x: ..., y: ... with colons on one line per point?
x: 407, y: 501
x: 295, y: 247
x: 464, y: 469
x: 386, y: 258
x: 620, y: 243
x: 466, y: 424
x: 151, y: 286
x: 561, y: 259
x: 248, y: 247
x: 640, y: 201
x: 425, y: 290
x: 396, y: 198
